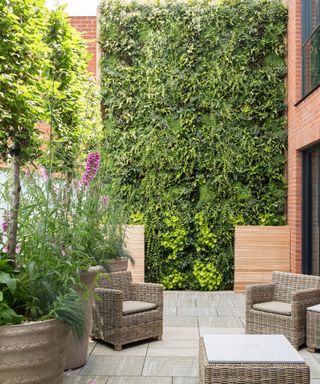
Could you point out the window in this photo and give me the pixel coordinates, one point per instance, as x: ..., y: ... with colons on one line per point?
x: 311, y: 211
x: 310, y: 45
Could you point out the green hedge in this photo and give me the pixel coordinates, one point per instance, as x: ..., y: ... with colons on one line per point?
x: 193, y: 102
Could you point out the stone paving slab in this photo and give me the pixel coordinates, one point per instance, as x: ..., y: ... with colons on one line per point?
x: 170, y: 311
x: 180, y: 321
x: 174, y: 352
x: 113, y: 366
x: 220, y: 322
x: 85, y: 380
x: 173, y: 344
x: 140, y: 380
x: 197, y: 311
x: 224, y: 311
x: 313, y: 363
x: 210, y: 331
x: 130, y: 350
x: 171, y: 366
x: 185, y: 380
x: 180, y: 333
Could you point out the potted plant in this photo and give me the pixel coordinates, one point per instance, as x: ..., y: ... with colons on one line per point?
x: 38, y: 306
x: 36, y: 290
x: 79, y: 227
x: 115, y: 254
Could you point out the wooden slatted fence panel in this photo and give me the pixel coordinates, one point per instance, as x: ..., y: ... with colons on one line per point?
x: 135, y: 245
x: 259, y: 250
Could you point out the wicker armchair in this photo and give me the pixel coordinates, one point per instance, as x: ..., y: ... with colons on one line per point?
x: 125, y: 312
x: 280, y: 307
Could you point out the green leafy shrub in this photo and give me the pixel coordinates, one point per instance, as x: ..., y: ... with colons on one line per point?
x: 175, y: 280
x: 8, y: 287
x: 207, y: 275
x: 193, y: 108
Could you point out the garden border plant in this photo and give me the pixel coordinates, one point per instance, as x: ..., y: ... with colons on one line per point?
x: 34, y: 296
x: 193, y: 108
x: 60, y: 215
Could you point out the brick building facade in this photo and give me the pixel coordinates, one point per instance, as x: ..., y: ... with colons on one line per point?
x: 87, y: 26
x: 303, y: 135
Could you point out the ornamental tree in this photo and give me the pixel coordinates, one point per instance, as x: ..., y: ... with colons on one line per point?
x: 22, y: 58
x: 74, y: 106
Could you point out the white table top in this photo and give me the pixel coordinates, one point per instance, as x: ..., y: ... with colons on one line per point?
x: 314, y: 308
x: 229, y: 348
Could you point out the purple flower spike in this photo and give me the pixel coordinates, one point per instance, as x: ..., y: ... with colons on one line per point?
x: 92, y: 166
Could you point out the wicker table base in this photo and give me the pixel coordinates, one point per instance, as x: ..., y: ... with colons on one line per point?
x: 250, y: 373
x: 313, y: 328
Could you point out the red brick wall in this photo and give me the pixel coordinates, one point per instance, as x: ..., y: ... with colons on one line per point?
x: 87, y: 25
x: 303, y: 130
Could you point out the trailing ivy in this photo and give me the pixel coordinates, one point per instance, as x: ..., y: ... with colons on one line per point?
x: 193, y: 103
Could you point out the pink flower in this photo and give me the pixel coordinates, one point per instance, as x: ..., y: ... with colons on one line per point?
x: 5, y: 249
x: 4, y: 226
x: 92, y: 166
x: 27, y: 172
x: 44, y: 173
x: 5, y: 223
x: 18, y: 248
x: 105, y: 200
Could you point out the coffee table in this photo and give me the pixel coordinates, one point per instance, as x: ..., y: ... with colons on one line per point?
x: 250, y: 359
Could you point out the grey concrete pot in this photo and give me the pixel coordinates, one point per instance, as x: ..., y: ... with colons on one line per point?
x: 77, y: 349
x: 117, y: 265
x: 33, y: 353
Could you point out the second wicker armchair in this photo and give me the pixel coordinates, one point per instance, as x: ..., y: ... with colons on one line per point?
x: 280, y: 307
x: 125, y: 312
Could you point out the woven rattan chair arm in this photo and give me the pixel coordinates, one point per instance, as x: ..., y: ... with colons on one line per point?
x: 259, y: 293
x: 304, y: 298
x: 150, y: 292
x: 108, y: 304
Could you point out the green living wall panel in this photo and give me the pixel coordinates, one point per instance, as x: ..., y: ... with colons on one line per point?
x: 193, y: 102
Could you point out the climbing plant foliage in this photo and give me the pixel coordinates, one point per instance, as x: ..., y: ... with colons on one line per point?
x: 193, y: 105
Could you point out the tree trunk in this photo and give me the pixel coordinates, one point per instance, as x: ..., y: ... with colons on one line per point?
x: 14, y: 209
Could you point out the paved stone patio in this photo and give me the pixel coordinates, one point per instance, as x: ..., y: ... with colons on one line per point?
x: 173, y: 360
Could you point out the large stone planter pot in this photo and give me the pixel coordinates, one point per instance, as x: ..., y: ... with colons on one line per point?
x: 77, y: 349
x: 33, y: 353
x: 116, y: 265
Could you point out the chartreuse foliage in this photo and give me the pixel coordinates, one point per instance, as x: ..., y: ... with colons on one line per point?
x: 193, y: 102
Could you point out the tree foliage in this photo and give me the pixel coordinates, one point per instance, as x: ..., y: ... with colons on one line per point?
x: 22, y: 59
x: 193, y: 102
x: 73, y: 102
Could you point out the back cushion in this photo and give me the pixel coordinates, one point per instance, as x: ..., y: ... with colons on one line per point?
x: 287, y: 283
x: 117, y: 280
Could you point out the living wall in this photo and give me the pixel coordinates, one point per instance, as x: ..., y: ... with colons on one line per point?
x: 193, y: 106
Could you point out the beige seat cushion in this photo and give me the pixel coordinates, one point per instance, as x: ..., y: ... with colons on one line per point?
x: 274, y: 307
x: 130, y: 307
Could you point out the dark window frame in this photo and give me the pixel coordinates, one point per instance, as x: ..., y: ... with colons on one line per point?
x: 307, y: 206
x: 308, y: 31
